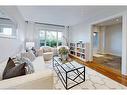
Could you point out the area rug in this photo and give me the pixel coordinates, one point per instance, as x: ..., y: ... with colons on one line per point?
x: 94, y: 80
x: 110, y: 61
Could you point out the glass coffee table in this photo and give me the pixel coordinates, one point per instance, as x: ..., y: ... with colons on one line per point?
x: 70, y: 73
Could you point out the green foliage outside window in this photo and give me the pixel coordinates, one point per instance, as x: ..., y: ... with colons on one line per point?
x: 52, y: 43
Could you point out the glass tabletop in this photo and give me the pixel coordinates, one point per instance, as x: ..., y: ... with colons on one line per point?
x: 68, y: 66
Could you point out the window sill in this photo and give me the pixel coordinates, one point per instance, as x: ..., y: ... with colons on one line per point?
x: 9, y: 37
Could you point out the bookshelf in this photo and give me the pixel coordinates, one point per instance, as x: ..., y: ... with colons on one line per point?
x: 80, y: 50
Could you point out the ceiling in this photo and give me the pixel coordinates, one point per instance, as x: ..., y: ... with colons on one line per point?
x: 109, y: 22
x: 66, y: 15
x: 3, y: 14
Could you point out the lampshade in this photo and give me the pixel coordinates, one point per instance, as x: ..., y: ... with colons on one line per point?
x: 30, y: 44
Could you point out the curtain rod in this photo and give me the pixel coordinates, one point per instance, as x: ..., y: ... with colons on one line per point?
x: 4, y: 18
x: 48, y: 24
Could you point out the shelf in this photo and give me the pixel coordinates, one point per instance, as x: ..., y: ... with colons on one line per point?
x: 72, y: 50
x: 77, y: 57
x: 79, y: 50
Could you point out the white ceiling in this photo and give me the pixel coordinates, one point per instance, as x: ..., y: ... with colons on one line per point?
x: 113, y: 21
x: 66, y: 15
x: 3, y: 14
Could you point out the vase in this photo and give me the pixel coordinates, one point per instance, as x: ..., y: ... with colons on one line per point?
x: 64, y: 57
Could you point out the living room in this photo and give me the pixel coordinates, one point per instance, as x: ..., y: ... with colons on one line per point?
x: 56, y: 43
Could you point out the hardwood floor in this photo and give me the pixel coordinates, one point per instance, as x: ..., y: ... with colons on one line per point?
x: 109, y: 72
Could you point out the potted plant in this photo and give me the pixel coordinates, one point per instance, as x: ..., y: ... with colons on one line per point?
x: 63, y: 53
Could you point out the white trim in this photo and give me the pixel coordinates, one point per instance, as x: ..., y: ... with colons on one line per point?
x: 124, y: 45
x: 6, y: 36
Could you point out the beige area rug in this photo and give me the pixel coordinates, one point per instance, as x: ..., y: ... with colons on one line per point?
x: 94, y: 80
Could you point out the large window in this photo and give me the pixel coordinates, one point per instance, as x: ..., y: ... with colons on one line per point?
x: 7, y: 28
x: 6, y: 31
x: 50, y: 38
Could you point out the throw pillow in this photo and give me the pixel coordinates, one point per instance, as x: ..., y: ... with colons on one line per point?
x: 18, y: 70
x: 10, y: 64
x: 46, y: 49
x: 34, y: 51
x: 29, y: 55
x: 29, y: 65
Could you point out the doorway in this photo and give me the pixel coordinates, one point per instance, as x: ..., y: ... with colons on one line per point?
x: 107, y: 43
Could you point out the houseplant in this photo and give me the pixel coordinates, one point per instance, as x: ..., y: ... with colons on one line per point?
x: 63, y: 51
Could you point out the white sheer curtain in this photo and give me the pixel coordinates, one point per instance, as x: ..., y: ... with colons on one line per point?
x: 66, y: 36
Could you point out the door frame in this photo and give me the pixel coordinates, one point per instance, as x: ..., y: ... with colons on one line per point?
x: 91, y: 38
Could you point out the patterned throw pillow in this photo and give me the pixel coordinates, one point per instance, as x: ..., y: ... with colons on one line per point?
x: 28, y: 55
x: 29, y: 65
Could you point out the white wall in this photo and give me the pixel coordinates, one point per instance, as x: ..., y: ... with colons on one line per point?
x: 79, y: 32
x: 82, y: 30
x: 113, y: 39
x: 9, y: 47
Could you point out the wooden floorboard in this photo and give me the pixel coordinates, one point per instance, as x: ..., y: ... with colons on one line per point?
x: 109, y: 72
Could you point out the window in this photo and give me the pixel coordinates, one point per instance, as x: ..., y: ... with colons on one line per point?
x: 95, y: 39
x: 7, y: 31
x: 7, y: 28
x: 50, y: 38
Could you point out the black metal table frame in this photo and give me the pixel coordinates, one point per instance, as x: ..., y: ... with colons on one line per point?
x: 65, y: 81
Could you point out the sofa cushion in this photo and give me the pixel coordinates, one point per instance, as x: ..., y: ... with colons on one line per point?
x: 18, y: 70
x: 48, y: 56
x: 39, y: 52
x: 46, y: 49
x: 2, y: 67
x: 39, y: 64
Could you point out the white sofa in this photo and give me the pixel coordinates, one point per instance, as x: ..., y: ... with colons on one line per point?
x: 42, y: 78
